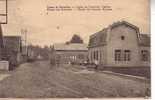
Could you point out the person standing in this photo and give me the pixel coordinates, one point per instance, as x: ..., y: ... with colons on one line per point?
x: 96, y: 64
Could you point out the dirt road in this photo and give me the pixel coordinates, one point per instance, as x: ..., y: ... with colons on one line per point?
x: 40, y: 79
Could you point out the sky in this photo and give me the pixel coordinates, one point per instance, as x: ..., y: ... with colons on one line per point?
x: 48, y: 27
x: 153, y: 6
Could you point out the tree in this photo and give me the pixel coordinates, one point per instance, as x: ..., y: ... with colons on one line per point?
x: 76, y: 39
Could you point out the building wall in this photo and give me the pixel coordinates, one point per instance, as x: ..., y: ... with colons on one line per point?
x: 121, y: 39
x: 12, y: 45
x: 147, y: 62
x: 66, y: 57
x: 130, y: 43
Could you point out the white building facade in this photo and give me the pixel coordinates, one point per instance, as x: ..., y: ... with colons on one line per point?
x: 120, y: 45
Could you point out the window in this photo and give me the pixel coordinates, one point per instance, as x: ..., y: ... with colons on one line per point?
x: 74, y: 57
x: 117, y: 55
x: 94, y: 55
x: 122, y: 37
x: 91, y: 56
x: 122, y: 55
x: 100, y: 55
x: 127, y: 55
x: 81, y: 56
x: 144, y: 55
x: 97, y: 55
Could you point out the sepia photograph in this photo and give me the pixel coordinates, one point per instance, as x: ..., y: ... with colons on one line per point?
x: 75, y: 49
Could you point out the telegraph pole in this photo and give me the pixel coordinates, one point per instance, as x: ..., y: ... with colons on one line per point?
x: 24, y: 39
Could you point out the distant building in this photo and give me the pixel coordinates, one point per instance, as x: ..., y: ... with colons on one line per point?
x: 69, y: 53
x: 120, y: 45
x: 31, y: 52
x: 13, y: 48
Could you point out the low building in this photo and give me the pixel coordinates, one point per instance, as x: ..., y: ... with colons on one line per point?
x: 13, y: 49
x: 67, y: 53
x: 120, y: 45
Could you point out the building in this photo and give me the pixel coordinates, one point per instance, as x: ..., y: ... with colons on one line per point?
x: 120, y: 45
x: 13, y: 49
x: 33, y: 52
x: 66, y: 53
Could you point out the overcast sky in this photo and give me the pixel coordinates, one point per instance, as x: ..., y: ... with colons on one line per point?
x: 45, y: 28
x: 153, y: 6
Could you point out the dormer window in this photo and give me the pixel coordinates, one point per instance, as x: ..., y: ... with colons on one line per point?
x: 122, y: 37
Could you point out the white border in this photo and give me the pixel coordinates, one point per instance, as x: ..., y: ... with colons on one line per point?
x: 152, y: 48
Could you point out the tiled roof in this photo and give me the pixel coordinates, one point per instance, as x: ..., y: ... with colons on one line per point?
x: 70, y: 46
x: 99, y: 38
x: 144, y: 40
x: 124, y: 22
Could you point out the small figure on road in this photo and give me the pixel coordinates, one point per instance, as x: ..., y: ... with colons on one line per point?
x: 85, y: 63
x: 96, y: 64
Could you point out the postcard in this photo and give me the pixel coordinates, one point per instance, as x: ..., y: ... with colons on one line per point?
x: 94, y: 49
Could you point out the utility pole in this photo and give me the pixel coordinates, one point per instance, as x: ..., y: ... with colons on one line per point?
x: 24, y: 40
